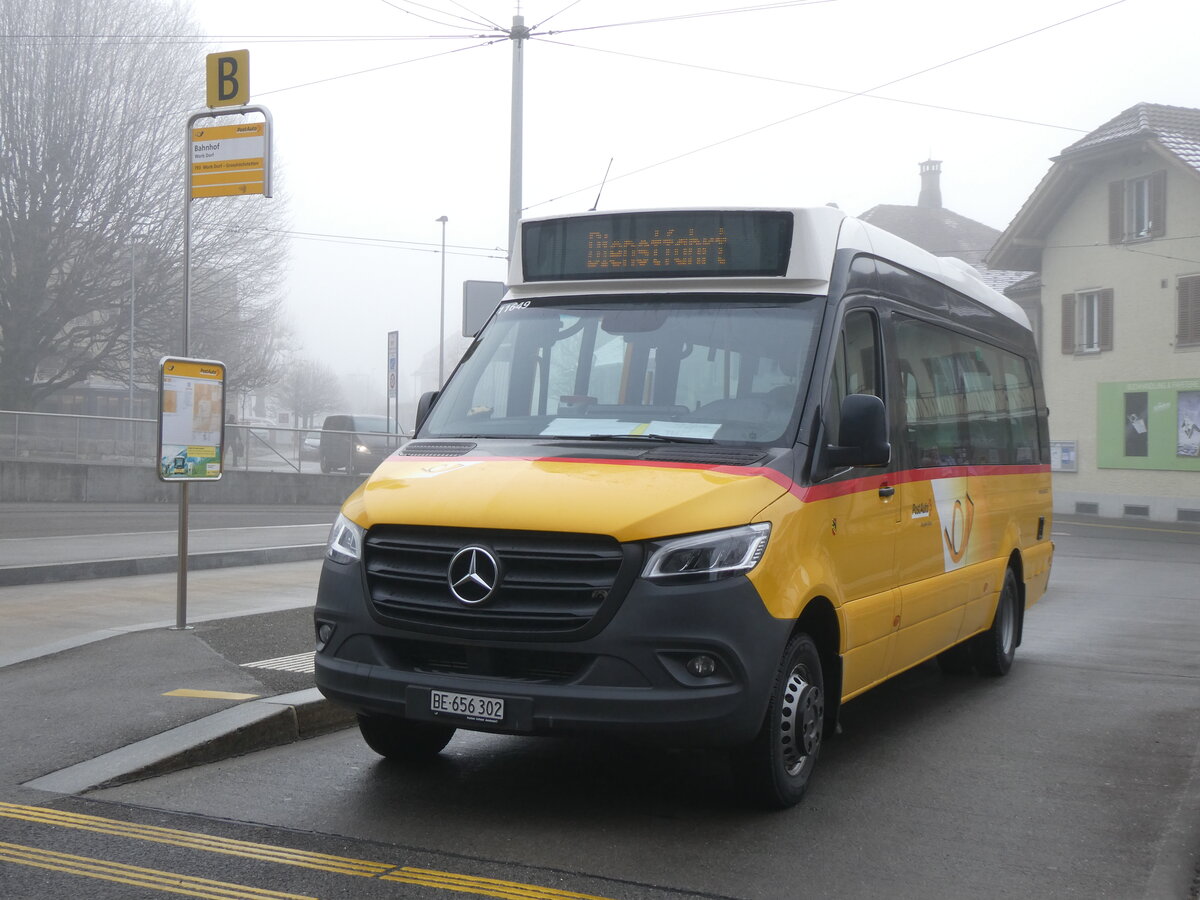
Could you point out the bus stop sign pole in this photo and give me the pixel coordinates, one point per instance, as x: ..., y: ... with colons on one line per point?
x: 213, y: 170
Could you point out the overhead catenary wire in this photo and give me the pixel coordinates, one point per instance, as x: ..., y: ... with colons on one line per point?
x: 661, y: 20
x: 367, y: 241
x: 848, y: 95
x: 403, y: 62
x: 555, y: 15
x: 816, y: 87
x: 153, y: 39
x: 489, y: 40
x: 811, y: 110
x: 503, y: 35
x: 477, y: 15
x: 409, y: 12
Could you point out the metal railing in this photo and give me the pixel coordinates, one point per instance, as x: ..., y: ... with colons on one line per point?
x: 65, y: 437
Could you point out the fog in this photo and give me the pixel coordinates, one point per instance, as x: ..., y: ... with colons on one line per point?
x: 379, y: 133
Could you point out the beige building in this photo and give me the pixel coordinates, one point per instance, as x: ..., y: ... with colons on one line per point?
x: 1112, y: 235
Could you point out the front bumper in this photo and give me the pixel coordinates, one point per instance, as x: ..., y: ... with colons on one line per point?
x: 629, y: 677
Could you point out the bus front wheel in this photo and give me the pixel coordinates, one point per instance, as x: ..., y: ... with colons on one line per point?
x: 403, y: 739
x: 775, y: 767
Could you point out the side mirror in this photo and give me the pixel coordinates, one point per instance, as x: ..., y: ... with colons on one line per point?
x: 864, y: 434
x: 423, y: 406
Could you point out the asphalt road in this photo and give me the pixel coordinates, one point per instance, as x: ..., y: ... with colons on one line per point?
x: 1078, y: 775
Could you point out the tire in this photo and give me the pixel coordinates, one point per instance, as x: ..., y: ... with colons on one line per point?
x: 995, y: 648
x: 403, y: 739
x: 958, y: 660
x: 774, y: 768
x: 325, y: 467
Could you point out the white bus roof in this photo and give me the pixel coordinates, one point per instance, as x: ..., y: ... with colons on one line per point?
x: 818, y: 233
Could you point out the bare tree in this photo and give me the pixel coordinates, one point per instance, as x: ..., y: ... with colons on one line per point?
x: 238, y: 322
x: 92, y: 106
x: 309, y: 388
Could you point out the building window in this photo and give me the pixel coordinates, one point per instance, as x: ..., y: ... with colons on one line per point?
x: 1137, y: 208
x: 1087, y: 321
x: 1188, y: 331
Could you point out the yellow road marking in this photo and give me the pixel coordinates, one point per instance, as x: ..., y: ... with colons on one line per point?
x: 209, y: 695
x: 488, y: 887
x: 191, y: 840
x: 137, y: 876
x: 339, y: 865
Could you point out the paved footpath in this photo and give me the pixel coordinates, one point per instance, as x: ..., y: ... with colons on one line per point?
x: 40, y: 619
x: 95, y: 674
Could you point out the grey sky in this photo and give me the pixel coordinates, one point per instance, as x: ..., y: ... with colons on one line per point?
x: 378, y: 134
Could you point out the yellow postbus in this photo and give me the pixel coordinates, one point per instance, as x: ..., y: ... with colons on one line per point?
x: 704, y: 477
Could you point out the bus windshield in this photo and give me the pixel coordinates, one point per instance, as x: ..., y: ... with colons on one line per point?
x: 688, y: 368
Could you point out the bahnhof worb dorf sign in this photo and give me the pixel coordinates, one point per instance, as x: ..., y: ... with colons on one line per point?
x: 228, y: 160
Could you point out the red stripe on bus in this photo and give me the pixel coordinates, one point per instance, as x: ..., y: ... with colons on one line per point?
x: 808, y: 494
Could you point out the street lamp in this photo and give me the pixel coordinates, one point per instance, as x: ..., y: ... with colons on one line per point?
x: 442, y: 310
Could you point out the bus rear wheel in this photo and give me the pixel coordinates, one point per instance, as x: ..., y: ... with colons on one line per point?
x: 403, y: 739
x: 774, y: 768
x: 995, y: 648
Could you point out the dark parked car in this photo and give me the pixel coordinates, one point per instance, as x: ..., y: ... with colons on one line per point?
x: 356, y: 443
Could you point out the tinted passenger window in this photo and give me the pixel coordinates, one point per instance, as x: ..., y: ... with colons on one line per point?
x: 966, y: 403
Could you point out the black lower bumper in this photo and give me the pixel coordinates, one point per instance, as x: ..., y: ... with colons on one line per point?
x: 630, y: 678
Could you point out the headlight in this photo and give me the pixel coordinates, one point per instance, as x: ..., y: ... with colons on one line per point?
x: 709, y: 556
x: 362, y: 449
x: 345, y: 541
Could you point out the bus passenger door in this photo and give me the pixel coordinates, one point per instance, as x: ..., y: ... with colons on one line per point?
x: 937, y: 510
x: 861, y: 516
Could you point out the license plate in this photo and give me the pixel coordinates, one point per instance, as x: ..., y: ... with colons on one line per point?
x: 467, y: 706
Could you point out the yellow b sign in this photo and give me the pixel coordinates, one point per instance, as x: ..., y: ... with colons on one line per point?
x: 228, y: 77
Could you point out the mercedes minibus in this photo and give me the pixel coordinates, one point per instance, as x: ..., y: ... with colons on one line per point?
x: 704, y: 477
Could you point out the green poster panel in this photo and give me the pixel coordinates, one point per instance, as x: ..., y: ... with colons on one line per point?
x: 1149, y: 425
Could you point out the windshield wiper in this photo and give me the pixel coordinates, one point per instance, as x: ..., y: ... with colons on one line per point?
x: 656, y: 438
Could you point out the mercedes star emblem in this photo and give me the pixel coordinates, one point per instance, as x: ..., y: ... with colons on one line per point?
x: 474, y: 575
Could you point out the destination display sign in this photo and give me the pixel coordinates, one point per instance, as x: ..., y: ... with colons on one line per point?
x: 673, y: 244
x: 228, y: 160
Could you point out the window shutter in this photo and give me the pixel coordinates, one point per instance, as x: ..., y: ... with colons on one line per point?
x: 1106, y: 319
x: 1189, y: 311
x: 1068, y: 323
x: 1116, y: 212
x: 1158, y: 204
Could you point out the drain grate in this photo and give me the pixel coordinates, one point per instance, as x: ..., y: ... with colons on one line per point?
x: 300, y: 662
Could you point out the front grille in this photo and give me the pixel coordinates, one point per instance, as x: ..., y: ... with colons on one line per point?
x: 549, y: 583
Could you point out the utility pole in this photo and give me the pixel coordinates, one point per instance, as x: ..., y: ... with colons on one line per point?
x: 518, y: 35
x: 441, y: 313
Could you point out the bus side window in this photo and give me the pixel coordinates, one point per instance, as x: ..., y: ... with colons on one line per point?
x: 926, y: 356
x: 968, y: 403
x: 855, y: 370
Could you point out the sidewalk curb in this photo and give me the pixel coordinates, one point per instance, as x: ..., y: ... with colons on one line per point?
x: 256, y: 725
x: 12, y: 576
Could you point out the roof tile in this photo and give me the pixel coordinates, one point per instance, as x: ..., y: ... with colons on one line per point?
x: 1177, y: 128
